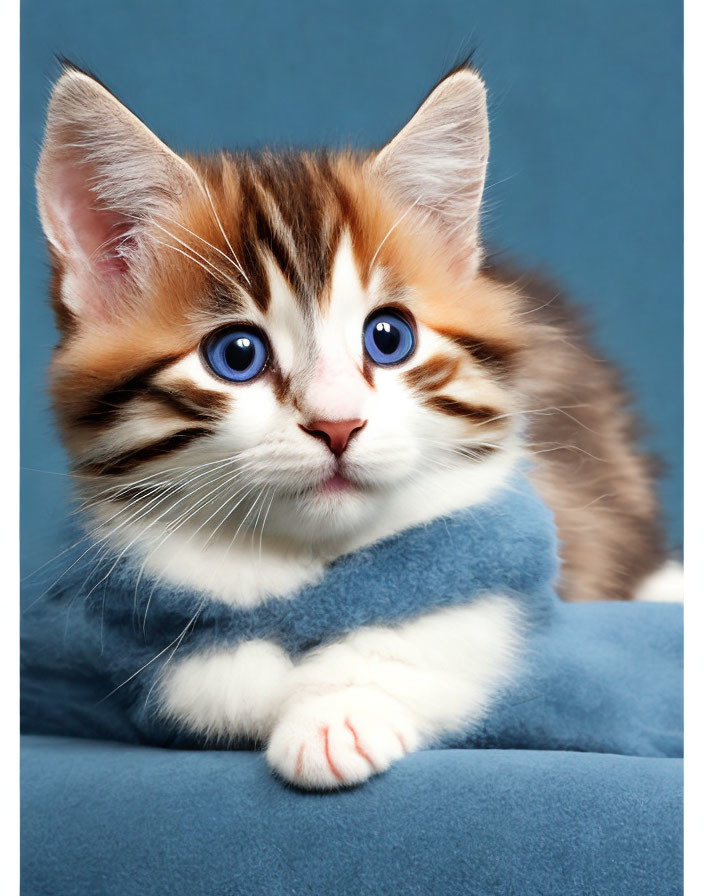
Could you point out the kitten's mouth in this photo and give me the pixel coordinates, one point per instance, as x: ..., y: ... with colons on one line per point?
x: 339, y: 481
x: 335, y: 483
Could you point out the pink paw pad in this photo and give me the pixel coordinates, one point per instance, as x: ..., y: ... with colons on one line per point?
x: 333, y: 769
x: 358, y: 747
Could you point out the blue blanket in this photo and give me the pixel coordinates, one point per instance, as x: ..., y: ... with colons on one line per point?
x: 549, y: 809
x: 106, y: 819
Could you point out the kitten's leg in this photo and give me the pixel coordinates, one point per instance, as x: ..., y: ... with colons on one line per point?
x: 349, y: 709
x: 228, y: 692
x: 356, y: 706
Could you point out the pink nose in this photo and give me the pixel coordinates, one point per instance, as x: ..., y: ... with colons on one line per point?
x: 335, y: 433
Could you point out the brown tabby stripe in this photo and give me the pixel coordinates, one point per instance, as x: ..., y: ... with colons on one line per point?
x: 479, y: 452
x: 435, y: 373
x: 266, y: 236
x: 350, y: 216
x: 128, y: 460
x: 282, y: 384
x: 102, y: 409
x: 224, y: 301
x: 447, y: 405
x: 251, y: 259
x: 258, y: 231
x: 304, y: 201
x: 368, y: 370
x: 189, y: 401
x: 301, y: 214
x: 494, y: 354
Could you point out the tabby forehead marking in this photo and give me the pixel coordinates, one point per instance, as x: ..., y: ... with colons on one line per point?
x: 288, y: 325
x: 291, y: 212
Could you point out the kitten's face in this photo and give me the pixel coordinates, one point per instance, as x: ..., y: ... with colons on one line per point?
x: 271, y: 343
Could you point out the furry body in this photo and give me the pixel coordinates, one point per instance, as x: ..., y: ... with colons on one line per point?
x: 219, y: 486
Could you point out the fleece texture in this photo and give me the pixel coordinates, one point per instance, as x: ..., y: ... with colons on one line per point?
x: 603, y: 678
x: 112, y: 819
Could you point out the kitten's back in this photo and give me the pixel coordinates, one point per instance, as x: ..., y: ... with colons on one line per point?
x: 590, y: 467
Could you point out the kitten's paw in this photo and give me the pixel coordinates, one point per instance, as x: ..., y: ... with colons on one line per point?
x: 340, y: 739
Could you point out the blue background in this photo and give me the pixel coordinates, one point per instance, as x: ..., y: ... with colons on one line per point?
x: 585, y: 178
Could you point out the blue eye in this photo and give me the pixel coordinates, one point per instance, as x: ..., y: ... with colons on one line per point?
x: 237, y: 354
x: 388, y: 337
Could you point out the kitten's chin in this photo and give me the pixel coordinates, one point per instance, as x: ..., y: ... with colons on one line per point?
x: 334, y: 509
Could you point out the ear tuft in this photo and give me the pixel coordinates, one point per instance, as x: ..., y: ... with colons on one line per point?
x: 438, y: 161
x: 102, y: 174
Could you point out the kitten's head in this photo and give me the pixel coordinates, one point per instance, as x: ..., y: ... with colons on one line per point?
x: 293, y: 337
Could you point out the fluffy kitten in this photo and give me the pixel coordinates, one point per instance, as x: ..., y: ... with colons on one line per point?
x: 268, y: 361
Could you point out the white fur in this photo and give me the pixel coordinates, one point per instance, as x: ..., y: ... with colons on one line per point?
x: 665, y: 585
x: 226, y: 692
x: 336, y: 390
x: 349, y: 709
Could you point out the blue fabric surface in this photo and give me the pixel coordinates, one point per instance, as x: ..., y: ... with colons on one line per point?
x: 114, y: 820
x: 506, y: 545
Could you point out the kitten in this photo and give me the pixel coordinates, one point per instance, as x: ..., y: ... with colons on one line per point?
x: 267, y: 361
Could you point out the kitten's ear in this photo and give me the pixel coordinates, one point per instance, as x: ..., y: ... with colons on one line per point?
x: 438, y: 162
x: 102, y: 174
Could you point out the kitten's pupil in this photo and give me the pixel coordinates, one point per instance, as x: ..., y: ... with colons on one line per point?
x: 386, y: 337
x: 239, y: 354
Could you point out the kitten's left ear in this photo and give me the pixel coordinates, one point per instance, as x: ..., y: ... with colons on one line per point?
x: 102, y: 176
x: 437, y: 163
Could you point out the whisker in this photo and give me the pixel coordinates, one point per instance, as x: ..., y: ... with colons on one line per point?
x: 227, y: 258
x: 102, y: 544
x: 261, y: 531
x: 391, y: 230
x: 178, y: 639
x: 189, y: 257
x: 222, y: 231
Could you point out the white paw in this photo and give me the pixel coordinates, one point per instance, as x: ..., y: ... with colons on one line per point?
x: 340, y: 739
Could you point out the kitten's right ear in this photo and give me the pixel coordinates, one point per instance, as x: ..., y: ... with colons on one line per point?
x: 437, y: 163
x: 102, y: 175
